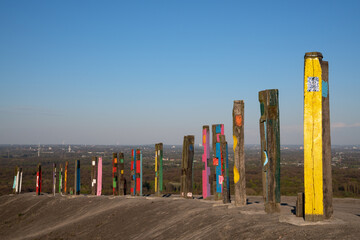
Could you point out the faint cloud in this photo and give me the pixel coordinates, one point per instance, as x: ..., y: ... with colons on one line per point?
x: 344, y: 125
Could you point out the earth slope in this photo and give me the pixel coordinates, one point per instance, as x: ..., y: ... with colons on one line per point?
x: 27, y: 216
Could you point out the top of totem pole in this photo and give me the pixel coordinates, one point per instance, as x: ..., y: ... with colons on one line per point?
x: 238, y: 101
x: 268, y: 90
x: 313, y: 55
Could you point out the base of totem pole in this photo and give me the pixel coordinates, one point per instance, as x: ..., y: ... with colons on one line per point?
x: 272, y: 207
x: 314, y: 218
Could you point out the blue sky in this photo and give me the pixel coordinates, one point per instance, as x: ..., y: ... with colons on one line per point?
x: 141, y: 72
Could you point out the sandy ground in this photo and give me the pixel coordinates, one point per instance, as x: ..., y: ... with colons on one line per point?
x: 27, y: 216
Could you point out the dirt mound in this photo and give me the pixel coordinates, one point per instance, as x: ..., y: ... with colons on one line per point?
x: 27, y: 216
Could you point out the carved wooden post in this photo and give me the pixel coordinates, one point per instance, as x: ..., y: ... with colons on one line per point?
x: 205, y: 160
x: 20, y: 180
x: 158, y: 169
x: 65, y: 176
x: 317, y: 160
x: 17, y: 180
x: 99, y: 177
x: 38, y: 180
x: 16, y: 177
x: 93, y: 175
x: 225, y: 167
x: 138, y: 172
x: 132, y: 172
x: 60, y: 179
x: 239, y: 153
x: 186, y: 166
x: 77, y: 178
x: 121, y: 174
x: 141, y: 174
x: 270, y: 148
x: 327, y: 169
x: 217, y: 130
x: 114, y: 173
x: 54, y: 178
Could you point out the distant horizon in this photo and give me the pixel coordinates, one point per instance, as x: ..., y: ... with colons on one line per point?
x: 127, y: 145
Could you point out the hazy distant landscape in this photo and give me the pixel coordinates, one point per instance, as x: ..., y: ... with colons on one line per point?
x: 345, y: 166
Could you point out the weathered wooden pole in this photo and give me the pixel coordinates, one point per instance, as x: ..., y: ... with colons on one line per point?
x: 270, y: 148
x: 327, y: 169
x: 141, y: 174
x: 99, y: 177
x: 114, y: 173
x: 77, y: 178
x: 16, y: 179
x: 121, y: 174
x: 133, y: 172
x: 54, y: 178
x: 317, y: 143
x: 20, y: 180
x: 93, y: 175
x: 225, y: 167
x: 205, y: 159
x: 60, y: 179
x: 186, y: 166
x: 217, y: 130
x: 65, y: 177
x: 38, y: 180
x: 239, y: 153
x: 158, y: 169
x: 138, y: 172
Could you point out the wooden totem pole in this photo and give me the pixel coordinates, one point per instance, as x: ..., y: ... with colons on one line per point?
x: 217, y: 131
x: 239, y: 154
x: 65, y: 176
x: 225, y: 167
x: 317, y: 141
x: 114, y: 173
x: 17, y: 180
x: 133, y: 172
x: 99, y: 177
x: 158, y: 169
x: 93, y: 175
x: 16, y: 177
x: 77, y: 178
x: 138, y: 173
x: 186, y: 166
x: 38, y: 180
x: 122, y: 189
x: 205, y: 159
x: 54, y: 178
x: 270, y: 148
x: 60, y: 179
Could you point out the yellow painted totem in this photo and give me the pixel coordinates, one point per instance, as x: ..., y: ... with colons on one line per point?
x: 313, y: 148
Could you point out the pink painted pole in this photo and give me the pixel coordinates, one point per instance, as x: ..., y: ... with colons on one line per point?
x: 205, y: 159
x: 99, y: 177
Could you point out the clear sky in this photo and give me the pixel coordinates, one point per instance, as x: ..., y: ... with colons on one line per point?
x: 141, y: 72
